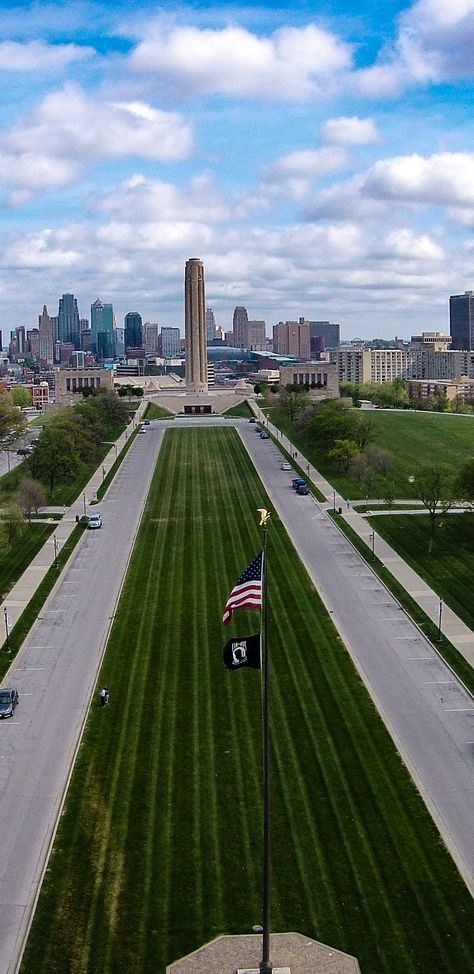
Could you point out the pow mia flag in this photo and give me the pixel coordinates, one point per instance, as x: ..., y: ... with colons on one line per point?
x: 242, y: 651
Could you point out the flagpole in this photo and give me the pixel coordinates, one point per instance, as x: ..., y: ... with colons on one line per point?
x: 265, y: 963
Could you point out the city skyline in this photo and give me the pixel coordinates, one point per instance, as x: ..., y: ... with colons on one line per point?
x: 319, y: 165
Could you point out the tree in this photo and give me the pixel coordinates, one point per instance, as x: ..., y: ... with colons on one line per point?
x: 30, y: 496
x: 139, y: 392
x: 364, y: 430
x: 20, y: 396
x: 343, y: 453
x: 388, y: 491
x: 363, y: 470
x: 292, y: 402
x: 435, y: 489
x: 55, y: 458
x: 381, y: 460
x: 12, y: 422
x: 13, y: 522
x: 464, y: 484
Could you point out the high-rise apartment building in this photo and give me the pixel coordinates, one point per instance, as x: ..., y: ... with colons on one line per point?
x: 292, y: 338
x: 68, y: 321
x: 240, y: 327
x: 33, y: 343
x: 210, y: 325
x: 195, y: 326
x: 461, y: 320
x: 133, y: 330
x: 102, y: 329
x: 170, y: 342
x: 46, y: 336
x: 256, y: 336
x: 119, y: 342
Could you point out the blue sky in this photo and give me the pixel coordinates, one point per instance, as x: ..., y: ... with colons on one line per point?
x: 319, y: 160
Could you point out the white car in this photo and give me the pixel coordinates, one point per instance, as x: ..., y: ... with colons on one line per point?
x: 142, y: 429
x: 286, y: 466
x: 95, y: 521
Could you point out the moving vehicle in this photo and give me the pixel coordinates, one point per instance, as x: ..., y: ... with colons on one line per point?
x: 8, y: 701
x: 142, y: 429
x: 95, y: 521
x: 302, y: 489
x: 286, y: 466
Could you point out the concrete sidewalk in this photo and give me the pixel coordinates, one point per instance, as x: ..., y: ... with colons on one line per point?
x: 24, y: 589
x: 452, y: 627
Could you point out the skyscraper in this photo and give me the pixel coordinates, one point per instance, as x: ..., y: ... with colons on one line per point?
x: 133, y: 330
x: 170, y: 342
x: 210, y: 325
x: 240, y: 327
x: 461, y: 320
x: 195, y: 326
x: 68, y: 321
x: 328, y: 331
x: 102, y: 329
x: 45, y: 326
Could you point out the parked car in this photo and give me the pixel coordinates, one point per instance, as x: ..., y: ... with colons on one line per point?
x: 24, y: 451
x: 142, y: 429
x: 258, y: 429
x: 298, y: 482
x: 146, y: 422
x: 95, y: 521
x: 252, y: 419
x: 264, y: 436
x: 8, y: 701
x: 302, y: 489
x: 286, y: 466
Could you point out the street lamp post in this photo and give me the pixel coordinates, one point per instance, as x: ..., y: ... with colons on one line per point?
x: 6, y: 630
x: 372, y: 538
x: 103, y: 473
x: 84, y: 502
x: 334, y: 500
x: 55, y: 541
x: 440, y: 615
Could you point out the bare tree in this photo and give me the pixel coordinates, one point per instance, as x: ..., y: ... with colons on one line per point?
x: 30, y: 496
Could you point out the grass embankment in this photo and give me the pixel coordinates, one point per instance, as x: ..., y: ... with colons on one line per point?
x: 14, y: 560
x: 430, y: 628
x: 240, y: 411
x: 159, y: 845
x: 414, y: 438
x: 449, y: 569
x: 158, y: 412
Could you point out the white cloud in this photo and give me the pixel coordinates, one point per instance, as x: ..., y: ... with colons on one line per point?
x: 441, y: 179
x: 434, y: 44
x: 307, y: 163
x: 39, y: 56
x: 71, y: 130
x: 350, y: 131
x: 404, y: 243
x: 343, y: 201
x: 292, y: 63
x: 139, y: 198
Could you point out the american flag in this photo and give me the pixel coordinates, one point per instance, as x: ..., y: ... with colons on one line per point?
x: 247, y: 593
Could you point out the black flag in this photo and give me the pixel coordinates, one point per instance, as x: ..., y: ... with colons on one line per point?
x: 242, y: 651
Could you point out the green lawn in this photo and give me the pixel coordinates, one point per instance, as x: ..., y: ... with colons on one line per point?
x: 159, y: 848
x: 414, y: 438
x: 14, y: 560
x: 240, y: 411
x: 449, y: 570
x: 158, y: 412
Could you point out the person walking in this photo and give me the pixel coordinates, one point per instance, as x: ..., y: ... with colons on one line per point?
x: 103, y: 696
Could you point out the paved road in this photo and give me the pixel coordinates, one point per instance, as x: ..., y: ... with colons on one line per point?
x: 55, y: 674
x: 429, y: 714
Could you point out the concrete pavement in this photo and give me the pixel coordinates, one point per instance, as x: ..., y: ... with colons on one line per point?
x: 21, y: 593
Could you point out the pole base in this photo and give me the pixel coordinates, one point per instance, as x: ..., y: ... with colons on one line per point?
x: 256, y: 970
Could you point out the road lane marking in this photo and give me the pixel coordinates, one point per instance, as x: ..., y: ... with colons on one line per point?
x: 430, y: 683
x: 459, y: 710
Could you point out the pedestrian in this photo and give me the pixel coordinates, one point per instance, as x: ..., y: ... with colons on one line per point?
x: 348, y: 504
x: 106, y: 694
x: 103, y: 696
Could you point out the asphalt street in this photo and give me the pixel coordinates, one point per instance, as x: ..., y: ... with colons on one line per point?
x: 55, y: 674
x: 428, y: 712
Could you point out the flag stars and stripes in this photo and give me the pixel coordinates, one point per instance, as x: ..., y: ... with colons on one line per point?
x: 247, y: 593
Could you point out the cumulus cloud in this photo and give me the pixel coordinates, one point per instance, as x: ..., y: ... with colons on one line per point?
x: 343, y: 201
x: 350, y: 131
x: 442, y: 179
x: 434, y: 44
x: 292, y: 63
x: 146, y: 199
x: 71, y: 130
x: 307, y: 163
x: 404, y: 243
x: 39, y: 56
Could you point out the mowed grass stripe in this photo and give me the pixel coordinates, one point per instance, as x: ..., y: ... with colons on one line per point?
x: 168, y: 778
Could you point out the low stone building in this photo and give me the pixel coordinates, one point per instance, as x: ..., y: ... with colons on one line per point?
x: 69, y: 383
x: 321, y: 377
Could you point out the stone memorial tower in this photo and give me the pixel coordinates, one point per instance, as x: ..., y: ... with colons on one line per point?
x: 195, y: 327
